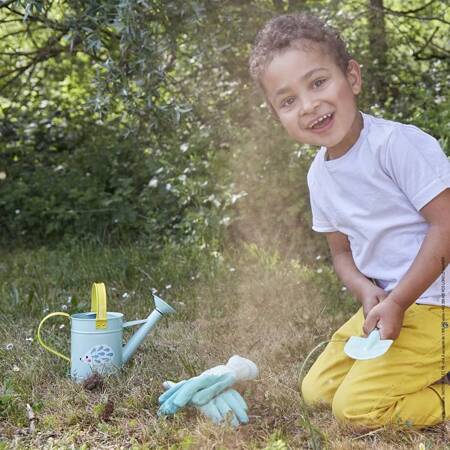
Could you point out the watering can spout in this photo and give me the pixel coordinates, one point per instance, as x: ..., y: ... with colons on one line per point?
x: 161, y: 308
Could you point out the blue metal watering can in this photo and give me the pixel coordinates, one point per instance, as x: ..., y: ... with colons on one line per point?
x: 96, y: 336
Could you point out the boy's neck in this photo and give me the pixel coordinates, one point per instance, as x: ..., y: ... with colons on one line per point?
x: 349, y: 140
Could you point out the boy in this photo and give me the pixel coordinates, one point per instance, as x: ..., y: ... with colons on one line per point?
x: 379, y: 190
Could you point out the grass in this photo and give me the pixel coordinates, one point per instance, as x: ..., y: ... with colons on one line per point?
x: 251, y: 301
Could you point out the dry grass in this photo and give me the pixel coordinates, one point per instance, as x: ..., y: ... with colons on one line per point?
x: 270, y: 310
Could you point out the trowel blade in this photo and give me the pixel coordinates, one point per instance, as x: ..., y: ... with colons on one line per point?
x: 358, y: 348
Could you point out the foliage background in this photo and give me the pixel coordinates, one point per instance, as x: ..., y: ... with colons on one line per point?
x: 129, y: 119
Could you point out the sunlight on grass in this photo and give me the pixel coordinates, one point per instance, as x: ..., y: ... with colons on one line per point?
x: 269, y: 309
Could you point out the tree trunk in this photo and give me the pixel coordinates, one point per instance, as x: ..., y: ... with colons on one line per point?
x: 378, y: 50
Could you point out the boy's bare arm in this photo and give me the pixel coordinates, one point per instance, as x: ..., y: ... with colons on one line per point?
x: 435, y: 251
x: 367, y: 293
x: 424, y: 270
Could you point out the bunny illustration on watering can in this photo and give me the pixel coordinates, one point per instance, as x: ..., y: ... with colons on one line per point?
x: 96, y: 336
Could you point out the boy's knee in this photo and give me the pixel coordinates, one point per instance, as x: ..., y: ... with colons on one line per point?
x: 341, y: 406
x: 350, y: 408
x: 311, y: 391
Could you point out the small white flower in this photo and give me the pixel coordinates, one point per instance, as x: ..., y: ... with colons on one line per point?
x: 225, y: 221
x: 16, y: 368
x: 46, y: 310
x: 29, y: 339
x: 9, y: 346
x: 58, y: 168
x: 318, y: 257
x: 343, y: 289
x: 69, y: 299
x: 17, y: 211
x: 154, y: 290
x: 125, y: 295
x: 64, y: 307
x: 184, y: 147
x: 2, y: 176
x: 153, y: 182
x: 236, y: 197
x: 319, y: 270
x: 168, y: 187
x: 232, y: 269
x: 168, y: 286
x: 182, y: 178
x: 62, y: 326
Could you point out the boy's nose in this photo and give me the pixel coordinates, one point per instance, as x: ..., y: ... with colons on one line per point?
x: 308, y: 105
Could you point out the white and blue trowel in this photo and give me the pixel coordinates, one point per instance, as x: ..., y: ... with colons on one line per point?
x: 367, y: 348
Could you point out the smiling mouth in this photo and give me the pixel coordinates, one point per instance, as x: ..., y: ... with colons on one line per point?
x: 321, y: 122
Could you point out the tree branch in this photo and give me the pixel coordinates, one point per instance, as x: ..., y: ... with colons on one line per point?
x: 44, y: 20
x: 6, y: 3
x: 412, y: 11
x: 427, y: 42
x: 410, y: 16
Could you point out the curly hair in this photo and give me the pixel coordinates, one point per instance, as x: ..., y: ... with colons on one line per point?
x: 284, y: 31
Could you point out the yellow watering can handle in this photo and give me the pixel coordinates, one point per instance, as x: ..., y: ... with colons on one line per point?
x: 98, y: 304
x: 55, y: 352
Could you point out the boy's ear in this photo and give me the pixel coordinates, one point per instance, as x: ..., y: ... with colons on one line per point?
x: 354, y: 76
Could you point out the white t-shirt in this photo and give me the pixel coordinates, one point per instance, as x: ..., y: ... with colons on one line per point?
x: 373, y: 194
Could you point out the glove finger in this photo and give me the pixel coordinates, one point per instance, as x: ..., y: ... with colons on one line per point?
x: 225, y: 410
x: 211, y: 412
x: 238, y: 398
x: 185, y: 393
x: 205, y: 395
x: 163, y: 397
x: 168, y: 384
x: 168, y: 408
x: 237, y: 404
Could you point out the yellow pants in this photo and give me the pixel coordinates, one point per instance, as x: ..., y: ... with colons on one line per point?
x: 395, y: 388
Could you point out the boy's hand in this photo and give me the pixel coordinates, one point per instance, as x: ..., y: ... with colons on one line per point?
x: 388, y: 317
x: 371, y: 297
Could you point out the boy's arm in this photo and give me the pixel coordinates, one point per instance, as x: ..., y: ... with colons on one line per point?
x: 433, y: 257
x: 367, y: 293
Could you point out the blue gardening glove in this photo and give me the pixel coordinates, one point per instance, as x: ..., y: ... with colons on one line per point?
x: 203, y: 388
x: 228, y: 404
x: 182, y: 393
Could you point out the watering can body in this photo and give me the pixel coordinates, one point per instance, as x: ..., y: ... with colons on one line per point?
x: 92, y: 349
x: 97, y: 336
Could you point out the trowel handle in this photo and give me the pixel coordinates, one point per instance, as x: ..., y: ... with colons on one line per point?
x: 55, y: 352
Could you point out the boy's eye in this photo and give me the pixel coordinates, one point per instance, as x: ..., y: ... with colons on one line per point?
x: 319, y: 82
x: 287, y: 102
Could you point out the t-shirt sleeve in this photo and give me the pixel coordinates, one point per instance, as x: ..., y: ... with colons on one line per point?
x: 320, y: 221
x: 417, y: 164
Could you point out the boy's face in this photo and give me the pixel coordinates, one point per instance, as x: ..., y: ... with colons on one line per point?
x: 313, y: 99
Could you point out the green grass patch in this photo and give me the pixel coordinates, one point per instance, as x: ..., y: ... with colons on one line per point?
x: 250, y: 301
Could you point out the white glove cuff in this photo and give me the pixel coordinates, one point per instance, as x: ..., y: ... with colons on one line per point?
x: 243, y: 368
